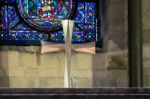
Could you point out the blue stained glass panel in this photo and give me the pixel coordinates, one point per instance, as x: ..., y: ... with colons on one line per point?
x: 38, y: 20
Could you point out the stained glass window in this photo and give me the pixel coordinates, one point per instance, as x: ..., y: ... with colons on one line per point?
x: 36, y: 20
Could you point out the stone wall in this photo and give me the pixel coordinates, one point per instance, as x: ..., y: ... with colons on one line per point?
x: 111, y: 68
x: 146, y: 41
x: 106, y: 69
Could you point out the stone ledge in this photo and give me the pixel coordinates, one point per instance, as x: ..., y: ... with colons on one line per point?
x: 74, y: 91
x: 94, y: 93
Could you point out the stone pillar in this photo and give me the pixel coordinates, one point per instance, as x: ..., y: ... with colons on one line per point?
x: 135, y: 43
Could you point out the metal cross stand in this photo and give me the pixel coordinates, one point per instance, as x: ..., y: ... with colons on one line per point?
x: 68, y: 29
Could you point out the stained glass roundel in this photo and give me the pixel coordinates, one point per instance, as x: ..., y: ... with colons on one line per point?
x: 45, y: 14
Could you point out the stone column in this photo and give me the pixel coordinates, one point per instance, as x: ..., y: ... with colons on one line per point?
x: 135, y: 43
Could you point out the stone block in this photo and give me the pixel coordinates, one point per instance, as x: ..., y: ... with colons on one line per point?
x: 51, y: 82
x: 117, y: 74
x: 32, y: 82
x: 110, y: 78
x: 4, y: 82
x: 146, y: 81
x: 97, y: 82
x: 13, y: 59
x: 117, y: 42
x: 51, y: 60
x: 23, y: 82
x: 17, y: 82
x: 82, y: 73
x: 3, y: 73
x: 82, y: 83
x: 32, y: 72
x: 145, y: 6
x: 17, y: 73
x: 4, y: 60
x: 146, y: 35
x: 99, y: 61
x: 82, y: 61
x: 27, y: 59
x: 146, y: 72
x: 146, y: 56
x: 145, y: 21
x: 51, y: 73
